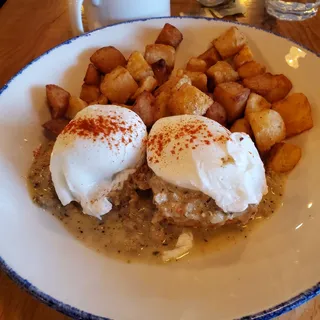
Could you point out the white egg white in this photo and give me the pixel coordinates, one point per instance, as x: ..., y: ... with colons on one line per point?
x: 197, y: 153
x: 86, y: 165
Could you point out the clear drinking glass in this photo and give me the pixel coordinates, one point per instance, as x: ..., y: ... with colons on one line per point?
x: 297, y: 10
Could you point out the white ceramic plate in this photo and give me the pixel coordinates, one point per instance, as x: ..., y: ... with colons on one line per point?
x: 278, y: 261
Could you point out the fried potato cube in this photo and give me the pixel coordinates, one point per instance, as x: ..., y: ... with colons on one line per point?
x: 161, y: 105
x: 251, y: 69
x: 101, y: 100
x: 144, y: 107
x: 118, y: 85
x: 189, y: 100
x: 75, y: 105
x: 271, y: 87
x: 242, y: 125
x: 261, y: 84
x: 92, y: 76
x: 243, y: 56
x: 170, y: 35
x: 233, y: 97
x: 148, y: 84
x: 222, y: 72
x: 268, y: 128
x: 138, y: 66
x: 211, y: 56
x: 89, y: 93
x: 54, y: 127
x: 173, y: 83
x: 217, y: 113
x: 177, y: 82
x: 108, y: 58
x: 197, y: 65
x: 181, y: 72
x: 198, y: 79
x: 295, y: 111
x: 58, y: 100
x: 161, y: 72
x: 230, y: 42
x: 281, y: 88
x: 156, y: 52
x: 283, y: 157
x: 256, y: 103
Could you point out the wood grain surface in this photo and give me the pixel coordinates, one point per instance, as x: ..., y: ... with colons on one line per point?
x: 29, y: 28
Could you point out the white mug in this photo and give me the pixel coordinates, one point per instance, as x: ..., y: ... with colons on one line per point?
x: 103, y: 12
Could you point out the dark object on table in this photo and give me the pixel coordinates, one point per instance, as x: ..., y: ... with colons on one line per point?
x: 2, y: 2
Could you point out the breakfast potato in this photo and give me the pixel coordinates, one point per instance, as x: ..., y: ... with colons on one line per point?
x: 148, y: 84
x: 230, y: 42
x: 198, y: 79
x: 295, y: 111
x: 108, y: 58
x: 58, y: 100
x: 160, y: 71
x: 118, y: 86
x: 283, y: 157
x: 271, y: 87
x: 164, y: 92
x: 144, y: 107
x: 54, y: 127
x: 177, y: 82
x: 251, y: 69
x: 101, y: 100
x: 211, y: 56
x: 89, y: 93
x: 189, y: 100
x: 161, y: 105
x: 75, y: 105
x: 268, y: 128
x: 261, y: 84
x: 197, y: 65
x: 156, y: 52
x: 174, y: 83
x: 233, y: 97
x: 281, y: 88
x: 138, y: 66
x: 217, y: 113
x: 242, y: 125
x: 256, y: 103
x: 181, y: 72
x: 243, y: 56
x: 170, y: 35
x: 92, y: 76
x: 222, y: 72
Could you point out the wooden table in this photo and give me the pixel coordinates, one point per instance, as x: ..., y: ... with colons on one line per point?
x: 29, y: 28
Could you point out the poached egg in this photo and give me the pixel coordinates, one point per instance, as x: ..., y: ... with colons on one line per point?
x: 95, y: 154
x: 197, y: 153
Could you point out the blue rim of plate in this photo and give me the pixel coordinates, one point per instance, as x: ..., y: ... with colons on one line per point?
x: 76, y: 313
